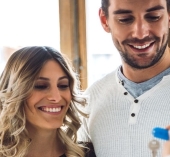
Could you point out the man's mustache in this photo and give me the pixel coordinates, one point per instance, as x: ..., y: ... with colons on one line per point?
x: 144, y: 40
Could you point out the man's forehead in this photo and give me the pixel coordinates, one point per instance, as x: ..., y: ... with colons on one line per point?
x: 133, y: 2
x: 136, y: 4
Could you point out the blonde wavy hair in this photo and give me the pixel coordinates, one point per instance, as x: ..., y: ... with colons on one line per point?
x: 16, y: 84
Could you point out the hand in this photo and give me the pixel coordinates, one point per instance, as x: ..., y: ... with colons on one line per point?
x: 166, y: 147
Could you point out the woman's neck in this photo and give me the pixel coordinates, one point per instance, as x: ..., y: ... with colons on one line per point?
x: 44, y: 143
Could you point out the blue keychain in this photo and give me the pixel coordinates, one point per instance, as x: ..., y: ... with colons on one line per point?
x: 161, y: 133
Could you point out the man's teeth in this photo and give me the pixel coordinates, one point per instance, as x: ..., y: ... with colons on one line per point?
x: 141, y: 47
x: 47, y: 109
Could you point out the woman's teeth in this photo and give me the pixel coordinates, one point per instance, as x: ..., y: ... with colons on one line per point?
x: 48, y: 109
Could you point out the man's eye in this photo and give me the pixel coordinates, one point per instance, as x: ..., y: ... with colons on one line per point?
x: 40, y: 87
x: 64, y: 86
x: 153, y: 18
x: 125, y: 20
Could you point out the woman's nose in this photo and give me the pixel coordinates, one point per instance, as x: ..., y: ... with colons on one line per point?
x: 54, y: 95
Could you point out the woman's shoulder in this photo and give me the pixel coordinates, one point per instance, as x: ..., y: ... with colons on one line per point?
x: 89, y: 149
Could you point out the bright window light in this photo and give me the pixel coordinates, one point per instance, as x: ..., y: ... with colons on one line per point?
x: 28, y: 23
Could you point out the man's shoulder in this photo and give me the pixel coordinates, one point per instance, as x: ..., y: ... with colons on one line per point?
x: 103, y: 82
x: 110, y: 76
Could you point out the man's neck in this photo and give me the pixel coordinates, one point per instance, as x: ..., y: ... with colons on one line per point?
x: 141, y: 75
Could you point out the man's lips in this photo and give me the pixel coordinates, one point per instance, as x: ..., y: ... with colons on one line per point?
x: 141, y: 46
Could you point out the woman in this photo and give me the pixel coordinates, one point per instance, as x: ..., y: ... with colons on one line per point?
x: 39, y: 95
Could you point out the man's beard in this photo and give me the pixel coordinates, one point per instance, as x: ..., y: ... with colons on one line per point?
x: 134, y: 64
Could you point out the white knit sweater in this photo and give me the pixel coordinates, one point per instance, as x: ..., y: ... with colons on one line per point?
x: 113, y: 131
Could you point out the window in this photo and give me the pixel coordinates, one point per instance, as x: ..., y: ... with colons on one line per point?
x: 27, y: 23
x: 102, y: 56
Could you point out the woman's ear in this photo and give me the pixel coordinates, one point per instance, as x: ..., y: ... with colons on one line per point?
x: 103, y: 20
x: 169, y: 19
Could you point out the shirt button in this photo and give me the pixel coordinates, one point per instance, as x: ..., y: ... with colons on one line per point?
x: 133, y: 114
x: 125, y: 93
x: 136, y: 101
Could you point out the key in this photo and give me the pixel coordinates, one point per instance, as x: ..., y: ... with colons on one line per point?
x: 154, y: 146
x: 160, y: 133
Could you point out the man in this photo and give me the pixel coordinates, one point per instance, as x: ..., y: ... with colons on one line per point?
x: 128, y: 103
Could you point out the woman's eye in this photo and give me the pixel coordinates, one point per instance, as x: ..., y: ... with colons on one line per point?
x: 64, y: 86
x: 153, y: 18
x: 40, y: 87
x: 125, y: 20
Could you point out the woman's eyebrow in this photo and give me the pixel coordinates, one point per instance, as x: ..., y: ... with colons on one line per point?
x: 47, y: 79
x: 63, y: 77
x: 43, y: 78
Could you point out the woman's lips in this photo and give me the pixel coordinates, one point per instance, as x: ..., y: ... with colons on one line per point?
x: 50, y: 109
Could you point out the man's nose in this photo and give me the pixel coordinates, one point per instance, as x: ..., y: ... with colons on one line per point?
x: 140, y: 29
x: 54, y: 95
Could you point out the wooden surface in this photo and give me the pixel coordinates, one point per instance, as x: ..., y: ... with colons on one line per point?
x: 73, y: 35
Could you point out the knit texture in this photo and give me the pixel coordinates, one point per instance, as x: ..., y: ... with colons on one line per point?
x: 120, y: 125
